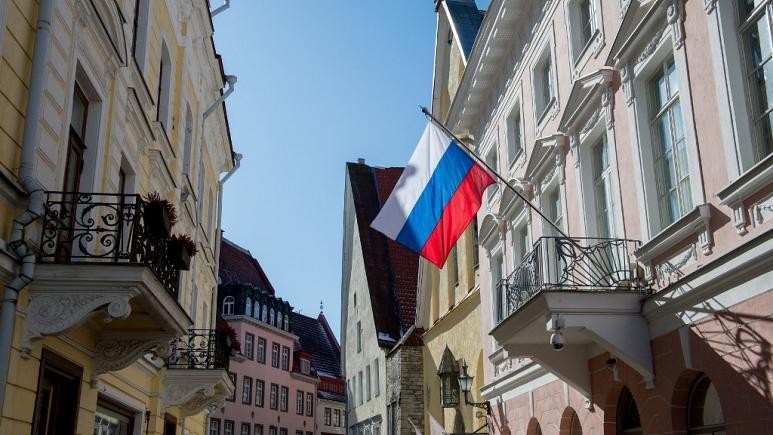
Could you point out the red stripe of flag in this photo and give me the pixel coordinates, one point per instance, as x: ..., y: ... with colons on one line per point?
x: 458, y: 214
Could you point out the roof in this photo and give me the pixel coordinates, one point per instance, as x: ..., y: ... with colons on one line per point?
x: 315, y: 338
x: 391, y: 269
x: 466, y: 19
x: 237, y: 265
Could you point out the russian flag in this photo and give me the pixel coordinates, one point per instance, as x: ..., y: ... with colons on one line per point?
x: 435, y: 198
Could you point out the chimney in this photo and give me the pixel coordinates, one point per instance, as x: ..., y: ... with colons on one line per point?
x: 361, y: 161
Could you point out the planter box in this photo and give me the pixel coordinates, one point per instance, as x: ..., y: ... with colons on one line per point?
x: 157, y: 221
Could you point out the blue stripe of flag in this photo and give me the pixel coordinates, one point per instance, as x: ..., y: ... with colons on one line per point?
x: 449, y: 173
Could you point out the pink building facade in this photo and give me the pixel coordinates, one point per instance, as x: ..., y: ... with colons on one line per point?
x: 641, y: 129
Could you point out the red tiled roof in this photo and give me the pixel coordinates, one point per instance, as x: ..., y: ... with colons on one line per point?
x: 238, y: 265
x: 314, y: 339
x: 391, y: 270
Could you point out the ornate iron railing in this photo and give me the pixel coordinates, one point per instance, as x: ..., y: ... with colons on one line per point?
x: 205, y: 349
x: 104, y: 228
x: 581, y: 264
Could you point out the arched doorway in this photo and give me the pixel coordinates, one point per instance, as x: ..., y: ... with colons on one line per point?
x: 704, y: 410
x: 533, y: 428
x: 628, y: 420
x: 570, y: 422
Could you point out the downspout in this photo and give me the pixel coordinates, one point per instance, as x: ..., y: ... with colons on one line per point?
x: 230, y: 81
x: 237, y: 163
x: 35, y: 191
x: 226, y: 4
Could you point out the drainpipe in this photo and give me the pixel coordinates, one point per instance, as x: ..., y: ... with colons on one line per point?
x: 226, y: 4
x: 230, y: 81
x: 35, y: 191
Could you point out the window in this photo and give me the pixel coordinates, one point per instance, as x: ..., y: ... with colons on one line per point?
x: 521, y: 242
x: 755, y: 37
x: 359, y: 388
x: 628, y: 421
x: 583, y: 26
x: 328, y: 416
x: 309, y: 404
x: 261, y: 350
x: 259, y: 387
x: 544, y: 85
x: 497, y: 279
x: 514, y: 135
x: 256, y: 310
x: 298, y: 432
x: 704, y: 410
x: 228, y: 427
x: 284, y: 399
x: 232, y: 397
x: 228, y: 306
x: 140, y: 36
x: 274, y: 355
x: 355, y: 299
x: 271, y: 317
x: 554, y: 209
x: 249, y: 345
x: 287, y: 323
x: 245, y: 429
x: 258, y: 429
x: 76, y: 147
x: 285, y: 358
x: 359, y: 336
x: 392, y: 419
x: 283, y: 431
x: 475, y: 243
x: 164, y: 89
x: 263, y: 313
x: 377, y: 377
x: 272, y: 401
x: 305, y: 366
x: 337, y: 417
x: 247, y: 390
x: 272, y: 430
x: 214, y: 426
x: 454, y: 267
x: 248, y: 307
x: 602, y: 189
x: 299, y: 402
x: 111, y: 418
x: 367, y: 381
x: 493, y: 161
x: 672, y: 175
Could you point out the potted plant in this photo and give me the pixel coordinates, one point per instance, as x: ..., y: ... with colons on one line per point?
x: 160, y: 215
x: 231, y: 338
x: 181, y: 249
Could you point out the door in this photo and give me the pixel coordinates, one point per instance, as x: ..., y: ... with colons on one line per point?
x: 56, y: 405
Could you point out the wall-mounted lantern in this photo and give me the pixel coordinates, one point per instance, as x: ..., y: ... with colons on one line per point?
x: 465, y: 384
x: 449, y: 380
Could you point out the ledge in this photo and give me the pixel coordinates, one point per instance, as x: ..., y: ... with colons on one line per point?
x: 697, y: 220
x: 749, y: 183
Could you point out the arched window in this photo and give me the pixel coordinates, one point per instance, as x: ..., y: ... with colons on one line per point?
x: 278, y: 319
x: 248, y: 306
x: 704, y: 411
x: 287, y: 323
x: 228, y: 306
x: 570, y: 423
x: 263, y: 313
x: 256, y: 310
x: 164, y: 89
x: 628, y: 421
x: 271, y: 317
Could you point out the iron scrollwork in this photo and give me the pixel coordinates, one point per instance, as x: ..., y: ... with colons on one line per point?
x: 200, y: 349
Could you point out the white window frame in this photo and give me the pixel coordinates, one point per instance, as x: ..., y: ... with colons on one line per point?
x: 228, y: 305
x: 544, y: 111
x: 491, y: 191
x: 579, y: 56
x: 552, y: 183
x: 515, y: 159
x: 641, y: 140
x: 519, y: 223
x: 377, y: 378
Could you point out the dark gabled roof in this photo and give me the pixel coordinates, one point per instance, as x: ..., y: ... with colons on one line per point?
x: 239, y: 266
x: 314, y: 338
x: 391, y: 269
x: 466, y: 19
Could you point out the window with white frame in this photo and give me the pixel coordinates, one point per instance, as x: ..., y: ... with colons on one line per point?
x: 164, y: 89
x: 754, y: 31
x: 228, y: 306
x: 367, y: 381
x: 497, y: 275
x: 521, y: 241
x: 377, y: 377
x: 603, y: 197
x: 554, y: 209
x: 514, y: 134
x: 493, y: 161
x: 305, y: 366
x: 249, y: 345
x: 359, y: 336
x: 359, y: 388
x: 309, y: 404
x: 583, y: 27
x: 299, y: 397
x: 544, y: 84
x: 672, y: 173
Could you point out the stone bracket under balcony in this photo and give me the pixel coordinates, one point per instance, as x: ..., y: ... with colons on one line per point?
x: 119, y: 297
x: 591, y: 323
x: 193, y: 390
x: 118, y: 350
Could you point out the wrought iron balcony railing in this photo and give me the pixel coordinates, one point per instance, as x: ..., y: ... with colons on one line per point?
x: 203, y: 349
x: 107, y: 229
x: 579, y: 264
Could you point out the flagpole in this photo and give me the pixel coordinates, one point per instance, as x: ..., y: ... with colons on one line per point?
x: 491, y: 170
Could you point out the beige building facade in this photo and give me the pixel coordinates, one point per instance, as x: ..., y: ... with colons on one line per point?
x: 641, y: 130
x: 112, y: 125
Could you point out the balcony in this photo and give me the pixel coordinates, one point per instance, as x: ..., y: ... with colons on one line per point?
x: 573, y: 298
x: 197, y: 371
x: 99, y: 262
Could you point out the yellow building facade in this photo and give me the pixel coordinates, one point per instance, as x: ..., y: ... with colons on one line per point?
x: 104, y: 324
x: 448, y: 300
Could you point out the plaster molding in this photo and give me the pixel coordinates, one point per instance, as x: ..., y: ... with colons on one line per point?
x: 709, y: 6
x: 194, y: 390
x: 650, y: 48
x: 116, y: 351
x: 675, y: 18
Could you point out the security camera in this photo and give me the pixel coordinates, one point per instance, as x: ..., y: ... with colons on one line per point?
x: 557, y: 341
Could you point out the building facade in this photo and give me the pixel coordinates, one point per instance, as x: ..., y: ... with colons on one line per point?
x: 113, y: 127
x: 635, y: 297
x: 378, y: 298
x: 448, y: 301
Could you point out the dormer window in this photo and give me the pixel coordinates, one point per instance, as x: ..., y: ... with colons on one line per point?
x: 305, y: 366
x: 228, y: 306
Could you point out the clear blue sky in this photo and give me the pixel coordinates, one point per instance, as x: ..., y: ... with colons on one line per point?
x: 320, y: 83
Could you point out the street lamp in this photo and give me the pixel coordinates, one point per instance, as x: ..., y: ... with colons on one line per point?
x: 465, y: 384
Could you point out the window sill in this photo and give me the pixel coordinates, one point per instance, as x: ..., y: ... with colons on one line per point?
x: 696, y: 221
x: 749, y: 183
